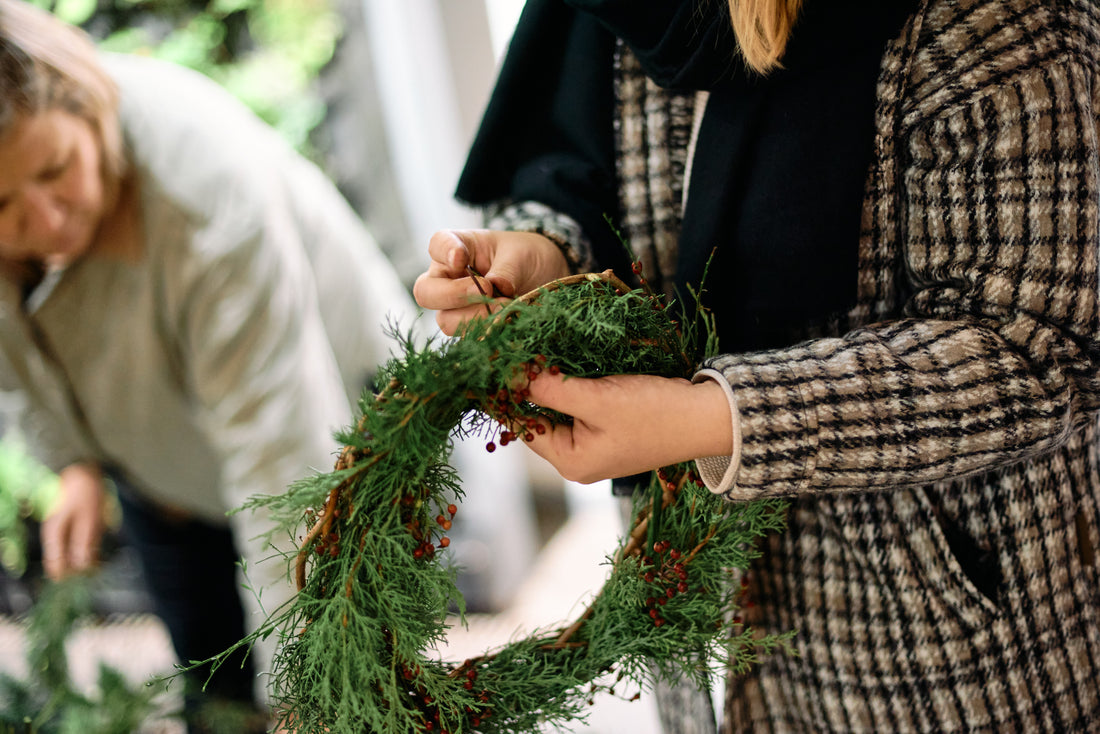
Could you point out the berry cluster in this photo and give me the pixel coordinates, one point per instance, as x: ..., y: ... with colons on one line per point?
x: 430, y: 709
x: 424, y: 533
x: 507, y: 407
x: 668, y: 574
x: 673, y: 483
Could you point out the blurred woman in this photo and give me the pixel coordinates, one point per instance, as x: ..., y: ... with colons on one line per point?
x: 188, y: 307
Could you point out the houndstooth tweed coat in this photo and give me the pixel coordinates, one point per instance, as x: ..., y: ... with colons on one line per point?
x: 939, y: 447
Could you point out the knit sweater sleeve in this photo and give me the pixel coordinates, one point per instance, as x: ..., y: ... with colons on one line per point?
x: 995, y: 355
x: 533, y: 216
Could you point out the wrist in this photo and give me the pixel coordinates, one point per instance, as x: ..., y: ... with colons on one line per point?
x: 714, y: 435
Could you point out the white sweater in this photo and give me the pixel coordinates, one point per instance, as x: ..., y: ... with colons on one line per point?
x: 217, y: 364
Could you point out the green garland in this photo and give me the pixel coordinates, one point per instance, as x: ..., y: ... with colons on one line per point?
x: 372, y: 569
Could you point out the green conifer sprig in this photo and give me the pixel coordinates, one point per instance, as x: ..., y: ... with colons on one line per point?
x: 375, y: 582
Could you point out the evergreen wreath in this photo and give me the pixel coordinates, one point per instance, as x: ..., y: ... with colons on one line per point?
x: 372, y: 572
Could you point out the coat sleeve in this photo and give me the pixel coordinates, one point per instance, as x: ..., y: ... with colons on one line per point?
x: 995, y: 357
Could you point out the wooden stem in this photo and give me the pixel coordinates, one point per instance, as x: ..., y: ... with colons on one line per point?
x: 607, y: 276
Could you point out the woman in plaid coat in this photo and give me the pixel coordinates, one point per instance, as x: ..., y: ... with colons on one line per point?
x: 901, y: 219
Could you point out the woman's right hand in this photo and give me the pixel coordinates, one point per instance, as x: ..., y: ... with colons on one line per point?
x: 72, y: 532
x: 512, y: 263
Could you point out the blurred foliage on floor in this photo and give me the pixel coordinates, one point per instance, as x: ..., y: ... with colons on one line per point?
x: 266, y: 52
x: 47, y: 702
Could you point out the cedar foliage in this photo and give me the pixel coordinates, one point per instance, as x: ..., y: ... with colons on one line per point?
x: 372, y: 570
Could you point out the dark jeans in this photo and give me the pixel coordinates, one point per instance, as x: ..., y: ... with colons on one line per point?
x: 190, y: 570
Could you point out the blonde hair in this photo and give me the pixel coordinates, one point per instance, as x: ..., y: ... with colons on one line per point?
x: 763, y: 28
x: 46, y: 64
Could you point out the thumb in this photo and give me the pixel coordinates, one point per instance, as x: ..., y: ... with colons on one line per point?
x: 451, y: 248
x: 503, y: 278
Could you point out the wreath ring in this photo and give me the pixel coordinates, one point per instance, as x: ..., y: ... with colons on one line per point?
x: 372, y: 572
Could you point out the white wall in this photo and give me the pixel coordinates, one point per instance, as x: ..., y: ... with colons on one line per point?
x: 434, y: 64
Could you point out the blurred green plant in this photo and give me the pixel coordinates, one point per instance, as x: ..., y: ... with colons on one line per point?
x: 47, y: 702
x: 266, y: 52
x: 27, y: 490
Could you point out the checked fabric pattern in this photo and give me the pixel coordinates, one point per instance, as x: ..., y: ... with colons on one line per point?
x: 941, y: 454
x: 940, y: 448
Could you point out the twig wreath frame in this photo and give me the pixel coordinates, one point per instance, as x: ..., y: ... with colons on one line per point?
x: 372, y: 572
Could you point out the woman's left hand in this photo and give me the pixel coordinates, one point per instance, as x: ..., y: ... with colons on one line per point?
x: 626, y: 424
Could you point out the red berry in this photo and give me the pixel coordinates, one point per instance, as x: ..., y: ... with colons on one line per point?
x: 636, y: 267
x: 554, y: 369
x: 453, y: 509
x: 490, y: 447
x: 444, y: 542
